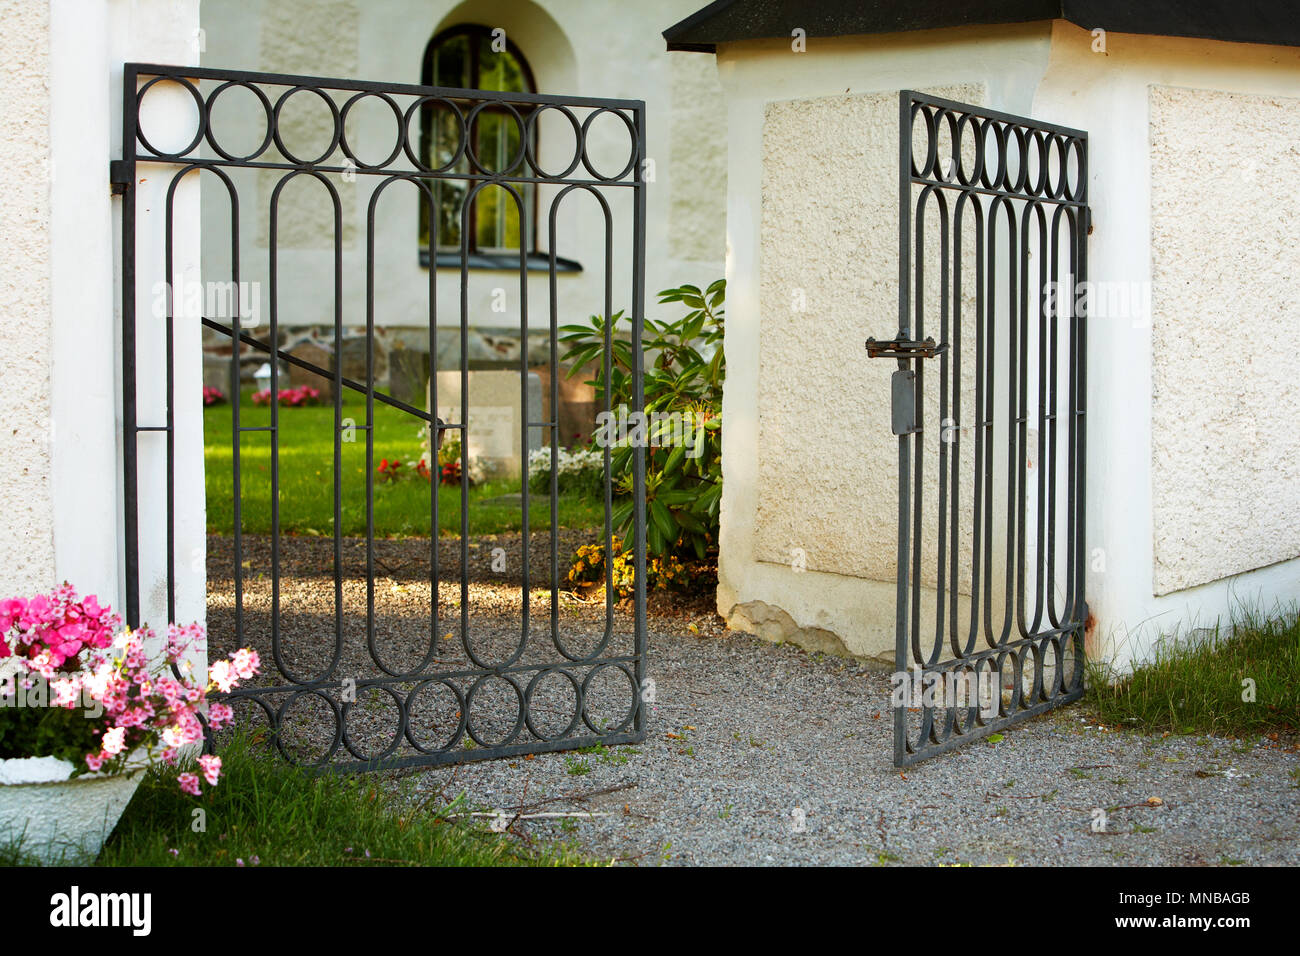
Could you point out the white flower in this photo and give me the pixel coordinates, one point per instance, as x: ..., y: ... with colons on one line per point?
x: 115, y: 741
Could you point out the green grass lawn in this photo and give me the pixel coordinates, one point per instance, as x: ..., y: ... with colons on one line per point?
x: 1198, y: 687
x: 268, y: 813
x: 402, y: 508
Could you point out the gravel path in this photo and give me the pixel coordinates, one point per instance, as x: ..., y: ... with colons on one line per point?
x: 742, y: 732
x: 747, y: 738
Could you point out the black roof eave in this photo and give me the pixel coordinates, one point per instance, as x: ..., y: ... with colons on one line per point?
x: 1273, y: 22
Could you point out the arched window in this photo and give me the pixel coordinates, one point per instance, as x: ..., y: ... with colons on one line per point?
x: 471, y: 56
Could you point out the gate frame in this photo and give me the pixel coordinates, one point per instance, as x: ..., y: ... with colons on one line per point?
x: 123, y: 178
x: 907, y: 420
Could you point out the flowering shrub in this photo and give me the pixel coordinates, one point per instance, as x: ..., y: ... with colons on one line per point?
x: 667, y: 572
x: 581, y: 471
x: 213, y: 396
x: 293, y: 397
x: 101, y: 702
x: 448, y: 465
x: 685, y: 373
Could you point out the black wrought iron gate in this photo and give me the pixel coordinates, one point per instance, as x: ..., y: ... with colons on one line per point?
x: 366, y: 666
x: 991, y: 606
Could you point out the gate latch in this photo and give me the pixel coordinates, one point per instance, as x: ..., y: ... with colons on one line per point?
x: 905, y: 348
x: 902, y: 404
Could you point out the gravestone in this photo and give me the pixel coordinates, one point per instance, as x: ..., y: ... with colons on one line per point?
x: 352, y: 354
x: 320, y: 355
x: 494, y: 416
x: 408, y: 373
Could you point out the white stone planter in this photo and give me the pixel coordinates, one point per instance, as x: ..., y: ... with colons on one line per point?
x: 64, y: 820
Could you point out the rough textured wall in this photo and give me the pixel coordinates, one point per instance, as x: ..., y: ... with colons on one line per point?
x: 698, y: 216
x: 308, y: 37
x: 827, y: 460
x: 1225, y: 314
x: 26, y: 535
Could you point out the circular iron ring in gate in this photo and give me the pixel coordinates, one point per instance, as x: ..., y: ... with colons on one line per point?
x: 1030, y: 684
x: 530, y: 125
x: 586, y: 133
x: 266, y: 108
x: 139, y: 112
x: 462, y: 132
x: 279, y: 727
x: 958, y: 698
x: 931, y: 141
x: 531, y: 706
x: 473, y: 729
x: 335, y: 135
x: 593, y: 721
x: 458, y: 720
x: 349, y: 152
x: 350, y: 708
x: 494, y: 108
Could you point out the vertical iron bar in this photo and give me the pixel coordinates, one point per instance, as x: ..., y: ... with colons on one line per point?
x: 1013, y: 386
x: 338, y: 433
x: 466, y: 207
x: 273, y: 275
x: 525, y: 430
x: 434, y: 432
x: 130, y: 436
x: 370, y: 434
x: 638, y: 392
x: 169, y: 389
x: 554, y: 343
x: 904, y: 449
x: 1080, y: 612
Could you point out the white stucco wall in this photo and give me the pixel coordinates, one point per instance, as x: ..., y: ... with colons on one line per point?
x: 26, y: 538
x: 1225, y: 272
x: 807, y: 450
x: 1110, y: 95
x: 810, y: 462
x: 60, y: 380
x: 158, y: 32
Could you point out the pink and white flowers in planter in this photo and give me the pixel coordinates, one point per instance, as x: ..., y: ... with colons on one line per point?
x: 84, y: 700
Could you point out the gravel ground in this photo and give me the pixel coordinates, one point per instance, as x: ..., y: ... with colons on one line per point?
x: 742, y: 732
x: 746, y: 738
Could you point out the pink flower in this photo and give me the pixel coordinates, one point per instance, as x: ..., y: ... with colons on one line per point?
x: 175, y: 736
x: 219, y: 715
x: 95, y: 761
x: 211, y: 768
x: 245, y: 662
x: 115, y: 741
x: 189, y: 783
x: 10, y: 611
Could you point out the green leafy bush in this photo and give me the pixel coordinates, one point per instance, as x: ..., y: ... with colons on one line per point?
x: 683, y: 401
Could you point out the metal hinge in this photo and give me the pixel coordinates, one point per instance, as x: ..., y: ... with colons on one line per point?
x: 118, y: 177
x: 905, y: 348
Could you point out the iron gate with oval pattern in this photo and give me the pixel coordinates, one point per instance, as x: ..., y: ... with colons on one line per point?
x: 992, y: 272
x: 377, y: 663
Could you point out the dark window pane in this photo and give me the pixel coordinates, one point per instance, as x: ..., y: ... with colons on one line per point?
x: 451, y: 63
x: 499, y: 71
x: 466, y: 59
